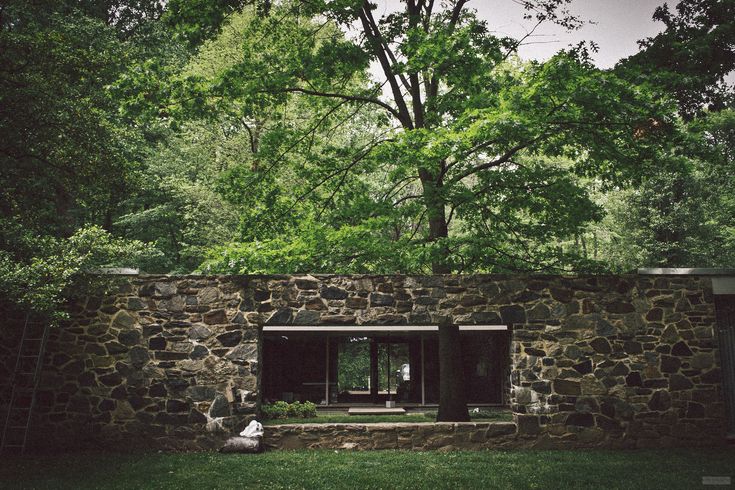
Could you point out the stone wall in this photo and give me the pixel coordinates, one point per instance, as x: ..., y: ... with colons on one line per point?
x: 632, y: 362
x: 414, y: 436
x: 172, y: 362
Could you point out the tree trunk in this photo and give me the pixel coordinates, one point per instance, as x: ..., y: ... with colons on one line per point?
x: 452, y: 397
x: 437, y: 217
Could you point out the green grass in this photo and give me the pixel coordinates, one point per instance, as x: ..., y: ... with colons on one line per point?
x: 341, y: 418
x: 665, y: 469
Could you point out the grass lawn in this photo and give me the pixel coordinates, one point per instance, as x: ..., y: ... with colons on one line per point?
x: 341, y: 418
x: 665, y: 469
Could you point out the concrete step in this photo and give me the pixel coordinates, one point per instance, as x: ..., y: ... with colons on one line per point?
x: 375, y: 411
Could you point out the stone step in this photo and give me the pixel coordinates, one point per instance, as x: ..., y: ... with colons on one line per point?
x: 375, y: 411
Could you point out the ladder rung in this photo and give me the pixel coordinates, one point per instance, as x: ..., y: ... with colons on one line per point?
x: 17, y: 427
x: 13, y: 445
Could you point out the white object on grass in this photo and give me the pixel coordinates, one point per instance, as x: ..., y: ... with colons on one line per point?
x: 254, y: 429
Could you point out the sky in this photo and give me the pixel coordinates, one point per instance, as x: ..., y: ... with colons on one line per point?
x: 618, y: 25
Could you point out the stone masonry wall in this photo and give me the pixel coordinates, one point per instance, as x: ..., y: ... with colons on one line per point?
x: 172, y: 362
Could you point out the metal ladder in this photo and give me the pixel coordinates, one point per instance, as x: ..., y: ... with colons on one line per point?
x: 24, y: 383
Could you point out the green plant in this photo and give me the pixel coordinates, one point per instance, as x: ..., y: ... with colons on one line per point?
x: 282, y: 410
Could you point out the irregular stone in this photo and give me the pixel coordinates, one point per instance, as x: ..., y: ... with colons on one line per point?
x: 702, y: 360
x: 122, y: 320
x: 157, y: 343
x: 584, y: 367
x: 177, y: 406
x: 670, y: 335
x: 356, y: 303
x: 472, y: 300
x: 604, y: 328
x: 567, y: 387
x: 220, y: 407
x: 586, y: 404
x: 485, y: 318
x: 161, y: 290
x: 307, y: 284
x: 123, y: 411
x: 681, y: 349
x: 157, y: 390
x: 306, y: 317
x: 139, y: 356
x: 632, y: 347
x: 281, y: 316
x: 634, y: 379
x: 513, y: 314
x: 230, y: 339
x: 670, y: 364
x: 678, y: 382
x: 199, y: 332
x: 655, y: 315
x: 528, y: 424
x: 561, y: 295
x: 200, y: 393
x: 620, y: 307
x: 601, y: 345
x: 115, y: 348
x: 243, y: 353
x: 215, y: 317
x: 580, y: 419
x: 712, y: 376
x: 660, y: 401
x: 199, y: 352
x: 174, y: 304
x: 332, y: 292
x: 129, y: 337
x: 592, y: 386
x: 573, y: 352
x: 539, y: 312
x: 379, y: 299
x: 207, y: 296
x: 338, y: 319
x: 315, y: 304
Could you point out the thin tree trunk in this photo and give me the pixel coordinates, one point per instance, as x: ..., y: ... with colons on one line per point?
x: 374, y: 372
x: 452, y: 396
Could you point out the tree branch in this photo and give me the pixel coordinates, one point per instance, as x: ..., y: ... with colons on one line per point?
x: 372, y: 33
x: 346, y: 97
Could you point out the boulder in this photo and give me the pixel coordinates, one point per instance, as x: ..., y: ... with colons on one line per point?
x: 238, y: 444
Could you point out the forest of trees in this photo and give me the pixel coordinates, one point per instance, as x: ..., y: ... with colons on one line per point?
x: 234, y: 136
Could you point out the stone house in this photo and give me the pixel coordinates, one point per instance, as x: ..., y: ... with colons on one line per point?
x: 582, y: 361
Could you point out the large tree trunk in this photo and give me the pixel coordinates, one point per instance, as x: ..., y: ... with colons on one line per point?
x: 437, y: 217
x: 452, y: 397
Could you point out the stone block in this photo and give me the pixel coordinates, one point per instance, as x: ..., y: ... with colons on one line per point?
x: 567, y: 387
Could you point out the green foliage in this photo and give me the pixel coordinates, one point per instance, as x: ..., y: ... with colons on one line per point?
x: 251, y: 137
x: 282, y: 410
x: 38, y: 273
x: 692, y: 56
x: 483, y: 173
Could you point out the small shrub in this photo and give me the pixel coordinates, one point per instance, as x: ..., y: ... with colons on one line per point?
x: 282, y: 410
